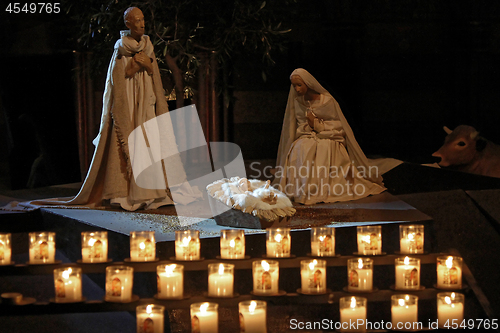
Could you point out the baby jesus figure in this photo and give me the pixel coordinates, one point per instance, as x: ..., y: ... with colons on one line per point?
x: 252, y: 196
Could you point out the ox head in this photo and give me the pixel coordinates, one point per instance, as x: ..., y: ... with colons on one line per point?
x: 460, y: 146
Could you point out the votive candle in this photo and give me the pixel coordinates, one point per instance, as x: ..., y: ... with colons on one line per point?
x: 68, y: 284
x: 265, y: 277
x: 220, y: 280
x: 204, y: 317
x: 253, y: 316
x: 360, y: 274
x: 119, y: 282
x: 5, y: 249
x: 450, y: 308
x: 42, y: 247
x: 170, y: 278
x: 150, y: 318
x: 323, y: 242
x: 449, y: 272
x: 94, y: 246
x: 142, y: 246
x: 411, y: 239
x: 407, y: 273
x: 369, y: 240
x: 232, y: 244
x: 313, y: 276
x: 404, y: 312
x: 187, y: 245
x: 352, y: 314
x: 278, y: 242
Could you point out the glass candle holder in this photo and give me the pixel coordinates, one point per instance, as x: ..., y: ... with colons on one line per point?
x: 232, y: 244
x: 142, y: 246
x: 449, y: 272
x: 278, y: 242
x: 323, y: 242
x: 411, y: 238
x: 369, y: 240
x: 313, y: 276
x: 170, y: 278
x: 119, y: 282
x: 68, y: 284
x: 42, y: 247
x: 220, y: 280
x: 187, y: 245
x: 150, y: 318
x: 360, y: 275
x: 407, y: 273
x: 352, y: 311
x: 266, y: 275
x: 253, y: 316
x: 204, y: 317
x: 94, y: 246
x: 5, y: 249
x: 450, y: 308
x: 404, y: 312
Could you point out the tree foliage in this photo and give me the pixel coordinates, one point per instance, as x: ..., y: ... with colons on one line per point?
x: 183, y: 30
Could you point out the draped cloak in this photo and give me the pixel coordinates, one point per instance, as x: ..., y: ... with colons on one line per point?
x: 110, y: 175
x: 289, y: 135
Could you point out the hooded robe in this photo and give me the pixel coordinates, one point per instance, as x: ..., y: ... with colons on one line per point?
x: 323, y: 163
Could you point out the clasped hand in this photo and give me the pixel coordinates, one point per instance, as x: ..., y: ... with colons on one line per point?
x: 310, y: 116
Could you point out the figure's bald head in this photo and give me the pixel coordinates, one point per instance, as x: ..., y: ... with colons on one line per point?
x: 129, y: 13
x: 134, y: 20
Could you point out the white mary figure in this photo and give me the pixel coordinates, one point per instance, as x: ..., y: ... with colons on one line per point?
x: 319, y: 159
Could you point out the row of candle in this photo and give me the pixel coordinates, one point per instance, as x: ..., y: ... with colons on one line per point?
x: 253, y: 314
x: 170, y: 279
x: 204, y: 317
x: 232, y: 244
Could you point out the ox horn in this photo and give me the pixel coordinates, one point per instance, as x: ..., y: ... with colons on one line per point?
x: 447, y: 130
x: 474, y: 135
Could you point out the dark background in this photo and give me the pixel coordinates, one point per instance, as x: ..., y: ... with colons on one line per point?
x: 400, y: 69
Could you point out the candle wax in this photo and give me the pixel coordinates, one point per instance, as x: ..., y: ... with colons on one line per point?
x: 220, y: 284
x: 253, y: 321
x: 352, y: 315
x: 170, y: 284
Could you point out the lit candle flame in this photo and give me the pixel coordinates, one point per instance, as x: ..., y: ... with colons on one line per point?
x: 221, y: 269
x: 312, y: 264
x: 407, y: 261
x: 411, y: 236
x: 142, y: 246
x: 278, y: 238
x: 449, y: 262
x: 169, y: 269
x: 360, y: 263
x: 366, y: 238
x: 66, y: 273
x: 204, y: 307
x: 353, y: 302
x: 452, y: 295
x: 265, y: 265
x: 407, y: 297
x: 149, y: 309
x: 401, y: 302
x: 186, y: 240
x: 91, y: 242
x: 232, y: 243
x: 321, y: 238
x: 447, y: 299
x: 252, y: 306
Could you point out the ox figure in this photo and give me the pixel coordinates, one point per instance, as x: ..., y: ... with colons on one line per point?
x: 465, y: 150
